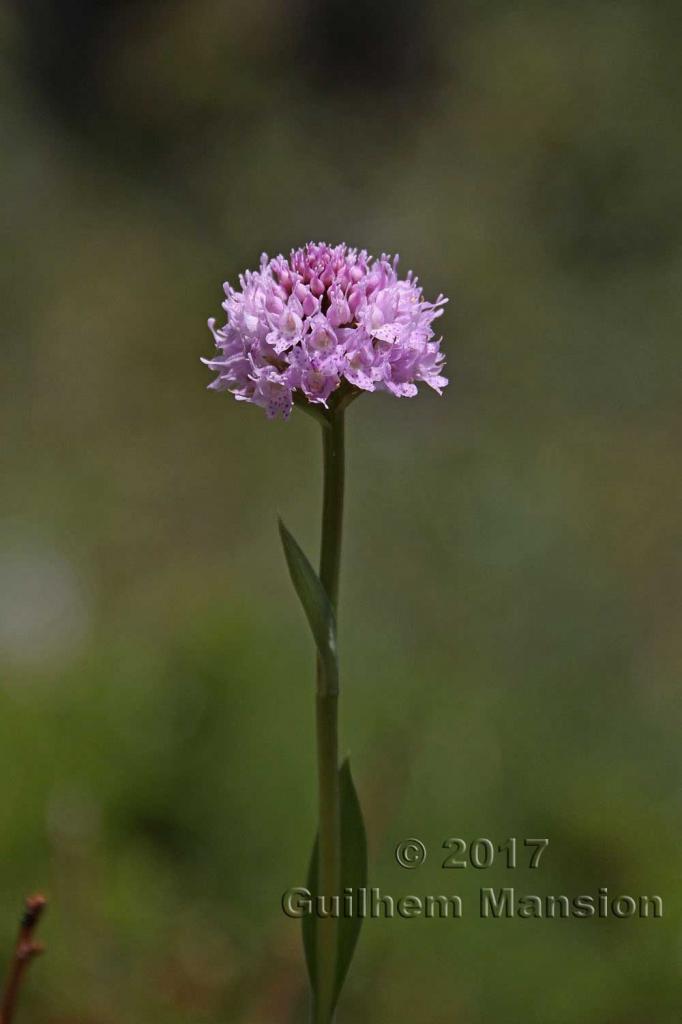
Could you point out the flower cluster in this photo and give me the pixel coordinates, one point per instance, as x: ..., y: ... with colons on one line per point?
x: 303, y: 326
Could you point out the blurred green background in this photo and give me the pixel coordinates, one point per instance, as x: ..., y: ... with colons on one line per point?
x: 511, y: 593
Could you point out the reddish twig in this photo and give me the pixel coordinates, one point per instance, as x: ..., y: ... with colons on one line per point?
x: 24, y: 951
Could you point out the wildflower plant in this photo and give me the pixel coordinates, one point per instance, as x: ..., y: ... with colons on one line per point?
x: 315, y: 330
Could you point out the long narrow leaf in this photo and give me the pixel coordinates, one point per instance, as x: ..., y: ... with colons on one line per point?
x: 353, y: 876
x: 316, y: 605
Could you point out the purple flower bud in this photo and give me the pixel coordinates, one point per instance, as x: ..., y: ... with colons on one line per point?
x: 355, y: 300
x: 339, y: 312
x: 310, y: 305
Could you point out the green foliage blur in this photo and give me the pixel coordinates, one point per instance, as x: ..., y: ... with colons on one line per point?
x: 510, y: 607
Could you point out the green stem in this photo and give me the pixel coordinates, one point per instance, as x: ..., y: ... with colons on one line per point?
x: 332, y: 505
x: 327, y: 719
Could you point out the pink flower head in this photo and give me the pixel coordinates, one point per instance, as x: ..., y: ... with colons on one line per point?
x: 323, y: 320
